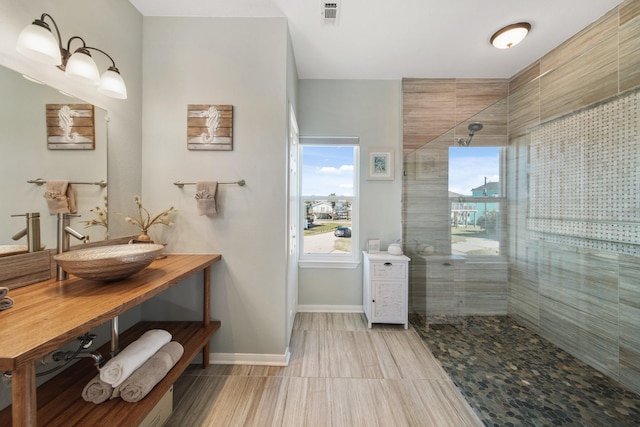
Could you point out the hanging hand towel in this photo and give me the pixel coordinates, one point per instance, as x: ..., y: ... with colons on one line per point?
x: 118, y: 369
x: 6, y: 303
x: 206, y: 193
x: 97, y: 391
x: 140, y: 383
x: 60, y: 197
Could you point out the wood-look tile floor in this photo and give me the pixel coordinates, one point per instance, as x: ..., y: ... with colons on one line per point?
x: 340, y: 374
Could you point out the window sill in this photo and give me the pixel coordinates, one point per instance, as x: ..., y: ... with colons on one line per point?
x: 324, y: 263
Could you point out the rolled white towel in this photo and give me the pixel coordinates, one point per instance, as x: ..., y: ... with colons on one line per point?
x: 118, y: 369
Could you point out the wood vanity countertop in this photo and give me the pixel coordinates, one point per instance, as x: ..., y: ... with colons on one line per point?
x: 48, y: 314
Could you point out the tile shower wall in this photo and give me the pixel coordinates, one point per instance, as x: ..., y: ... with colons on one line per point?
x: 573, y: 195
x: 584, y: 182
x: 442, y: 285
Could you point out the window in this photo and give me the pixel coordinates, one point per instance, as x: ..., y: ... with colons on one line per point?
x: 329, y: 201
x: 477, y: 199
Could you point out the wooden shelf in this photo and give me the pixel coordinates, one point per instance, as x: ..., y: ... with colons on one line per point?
x: 60, y: 400
x: 60, y: 311
x: 48, y: 314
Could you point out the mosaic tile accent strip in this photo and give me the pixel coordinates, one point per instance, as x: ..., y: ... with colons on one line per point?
x: 584, y: 180
x: 513, y: 377
x: 582, y: 243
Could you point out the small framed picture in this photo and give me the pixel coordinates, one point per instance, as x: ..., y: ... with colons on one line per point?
x: 381, y: 165
x: 427, y: 166
x: 373, y: 246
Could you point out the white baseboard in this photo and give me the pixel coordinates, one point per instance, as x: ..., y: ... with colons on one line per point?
x: 250, y: 359
x: 330, y: 309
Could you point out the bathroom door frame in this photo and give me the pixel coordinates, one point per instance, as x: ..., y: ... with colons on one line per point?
x: 293, y: 221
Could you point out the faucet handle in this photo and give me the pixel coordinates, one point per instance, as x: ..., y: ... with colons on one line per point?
x: 28, y: 215
x: 68, y: 215
x: 19, y: 235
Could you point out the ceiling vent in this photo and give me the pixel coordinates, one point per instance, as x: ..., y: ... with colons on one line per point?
x: 330, y: 12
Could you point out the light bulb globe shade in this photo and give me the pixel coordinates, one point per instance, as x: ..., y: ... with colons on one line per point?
x: 82, y: 68
x: 510, y: 35
x: 112, y: 84
x: 38, y: 43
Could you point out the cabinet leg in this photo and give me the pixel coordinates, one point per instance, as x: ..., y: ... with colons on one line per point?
x: 24, y: 405
x: 205, y: 356
x: 206, y: 312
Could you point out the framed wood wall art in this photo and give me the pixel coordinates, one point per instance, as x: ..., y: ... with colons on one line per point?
x: 70, y: 127
x: 210, y: 127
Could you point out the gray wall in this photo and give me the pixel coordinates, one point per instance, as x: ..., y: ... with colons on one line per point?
x: 369, y: 109
x: 245, y: 63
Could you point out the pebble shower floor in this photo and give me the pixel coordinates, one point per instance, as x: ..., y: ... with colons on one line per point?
x: 513, y: 377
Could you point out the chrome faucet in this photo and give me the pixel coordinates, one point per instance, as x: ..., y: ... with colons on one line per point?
x: 32, y: 231
x: 86, y: 341
x: 64, y: 230
x: 66, y: 356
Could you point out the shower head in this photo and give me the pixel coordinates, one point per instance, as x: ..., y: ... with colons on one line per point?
x: 473, y: 128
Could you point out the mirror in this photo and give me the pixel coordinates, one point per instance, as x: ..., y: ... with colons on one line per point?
x: 24, y: 156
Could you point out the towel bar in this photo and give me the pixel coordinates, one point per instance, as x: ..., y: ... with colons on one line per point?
x: 181, y: 184
x: 41, y: 181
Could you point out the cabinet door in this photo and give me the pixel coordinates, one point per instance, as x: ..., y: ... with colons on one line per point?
x: 388, y: 301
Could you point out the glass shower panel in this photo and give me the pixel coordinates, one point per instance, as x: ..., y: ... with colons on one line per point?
x: 439, y: 276
x: 434, y: 290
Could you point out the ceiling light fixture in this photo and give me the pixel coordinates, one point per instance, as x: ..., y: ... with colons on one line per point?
x: 510, y: 35
x: 37, y: 42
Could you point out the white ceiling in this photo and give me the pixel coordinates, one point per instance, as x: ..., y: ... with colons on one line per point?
x: 392, y: 39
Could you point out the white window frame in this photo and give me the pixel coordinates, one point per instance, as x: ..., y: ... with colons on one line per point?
x: 501, y: 201
x: 352, y: 260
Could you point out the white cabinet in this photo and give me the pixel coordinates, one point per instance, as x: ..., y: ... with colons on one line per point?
x: 385, y: 288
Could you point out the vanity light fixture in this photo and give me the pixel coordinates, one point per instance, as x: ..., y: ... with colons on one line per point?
x: 510, y: 35
x: 80, y: 66
x: 37, y: 42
